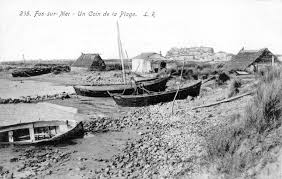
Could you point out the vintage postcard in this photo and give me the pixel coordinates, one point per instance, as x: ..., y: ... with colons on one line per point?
x: 140, y: 89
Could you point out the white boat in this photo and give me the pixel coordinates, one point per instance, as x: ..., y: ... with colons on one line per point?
x: 40, y: 132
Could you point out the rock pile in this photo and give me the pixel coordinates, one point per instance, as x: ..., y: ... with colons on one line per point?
x: 102, y: 78
x: 33, y: 99
x: 39, y: 161
x: 102, y: 124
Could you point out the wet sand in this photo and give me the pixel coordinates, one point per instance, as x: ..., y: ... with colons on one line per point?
x: 81, y: 157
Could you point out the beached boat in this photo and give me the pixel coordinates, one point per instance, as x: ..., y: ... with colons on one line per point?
x: 40, y: 69
x: 126, y: 89
x: 40, y: 132
x: 27, y: 72
x: 156, y: 97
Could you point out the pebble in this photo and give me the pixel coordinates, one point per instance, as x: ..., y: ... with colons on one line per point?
x: 14, y: 159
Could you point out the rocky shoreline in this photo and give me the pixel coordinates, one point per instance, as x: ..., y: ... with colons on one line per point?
x: 169, y: 146
x: 35, y: 99
x: 35, y: 161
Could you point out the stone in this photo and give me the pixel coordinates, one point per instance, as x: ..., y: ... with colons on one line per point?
x: 14, y: 159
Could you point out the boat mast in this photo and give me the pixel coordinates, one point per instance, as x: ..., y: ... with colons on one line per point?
x: 23, y: 59
x: 121, y: 56
x: 178, y: 86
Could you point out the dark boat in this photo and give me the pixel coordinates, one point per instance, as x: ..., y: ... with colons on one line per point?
x: 40, y: 132
x: 158, y: 84
x: 156, y: 97
x: 40, y: 69
x: 27, y: 72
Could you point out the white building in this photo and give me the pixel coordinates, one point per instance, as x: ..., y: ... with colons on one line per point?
x: 143, y: 63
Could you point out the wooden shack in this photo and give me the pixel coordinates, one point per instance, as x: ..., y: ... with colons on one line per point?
x: 89, y: 61
x: 251, y: 60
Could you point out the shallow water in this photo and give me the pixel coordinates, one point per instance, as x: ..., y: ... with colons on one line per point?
x: 80, y: 108
x: 23, y: 112
x: 16, y: 89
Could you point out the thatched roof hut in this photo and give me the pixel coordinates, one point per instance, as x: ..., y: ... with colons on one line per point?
x: 246, y: 58
x: 91, y: 61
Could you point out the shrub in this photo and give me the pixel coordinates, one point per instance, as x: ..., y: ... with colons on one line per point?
x: 270, y: 74
x: 222, y: 78
x: 233, y: 88
x: 220, y: 65
x: 223, y: 141
x: 265, y: 112
x: 113, y: 67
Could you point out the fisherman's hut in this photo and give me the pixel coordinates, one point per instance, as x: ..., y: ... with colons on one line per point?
x: 251, y: 60
x: 144, y: 63
x: 89, y: 61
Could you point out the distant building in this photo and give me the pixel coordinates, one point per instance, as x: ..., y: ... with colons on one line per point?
x: 143, y: 63
x: 251, y: 60
x: 199, y: 54
x: 89, y: 61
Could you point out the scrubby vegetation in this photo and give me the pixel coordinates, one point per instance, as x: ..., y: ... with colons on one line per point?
x: 233, y: 88
x: 197, y: 70
x: 241, y: 146
x: 115, y: 64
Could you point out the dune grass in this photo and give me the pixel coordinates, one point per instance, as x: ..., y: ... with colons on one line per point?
x: 244, y: 141
x: 233, y: 87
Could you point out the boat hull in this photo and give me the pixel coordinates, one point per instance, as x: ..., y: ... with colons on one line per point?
x: 102, y: 91
x: 156, y: 97
x: 76, y: 131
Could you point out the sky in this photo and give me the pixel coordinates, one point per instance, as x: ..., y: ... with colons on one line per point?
x: 225, y: 25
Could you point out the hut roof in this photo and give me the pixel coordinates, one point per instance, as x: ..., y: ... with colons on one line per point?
x: 86, y: 60
x: 150, y: 56
x: 91, y: 61
x: 245, y: 58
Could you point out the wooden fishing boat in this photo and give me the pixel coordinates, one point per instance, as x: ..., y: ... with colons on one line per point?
x: 40, y: 132
x: 27, y: 72
x: 126, y: 89
x: 156, y: 97
x: 40, y: 69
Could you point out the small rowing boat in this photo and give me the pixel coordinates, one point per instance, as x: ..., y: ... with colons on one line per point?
x: 40, y: 132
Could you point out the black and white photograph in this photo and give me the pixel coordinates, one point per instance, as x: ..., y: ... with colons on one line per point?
x: 157, y: 89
